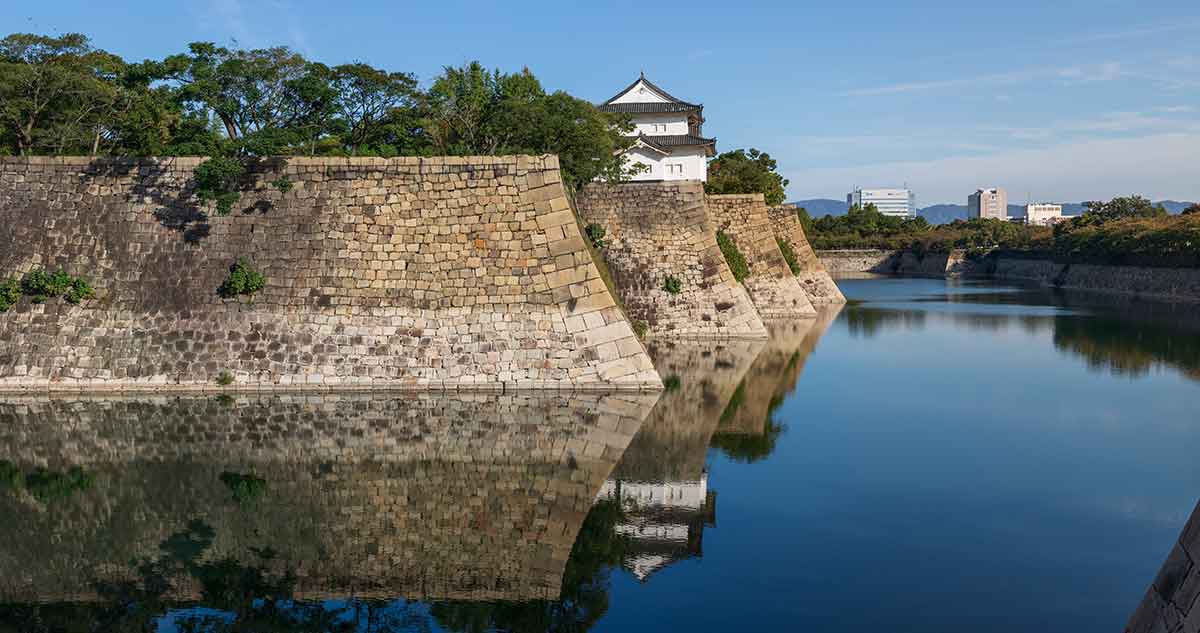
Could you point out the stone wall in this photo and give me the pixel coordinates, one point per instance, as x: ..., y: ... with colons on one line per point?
x: 1164, y: 284
x: 859, y: 261
x: 1170, y: 604
x: 773, y: 288
x: 813, y: 277
x: 425, y: 496
x: 461, y: 272
x: 660, y: 230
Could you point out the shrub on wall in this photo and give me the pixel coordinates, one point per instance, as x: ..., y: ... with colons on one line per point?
x: 788, y: 254
x: 733, y: 256
x: 243, y: 280
x: 10, y: 293
x: 217, y: 181
x: 595, y: 235
x: 672, y: 285
x: 41, y: 285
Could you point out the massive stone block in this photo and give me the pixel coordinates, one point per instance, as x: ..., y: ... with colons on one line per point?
x: 454, y: 273
x: 814, y: 279
x: 1172, y: 601
x: 421, y: 496
x: 656, y: 231
x: 772, y: 286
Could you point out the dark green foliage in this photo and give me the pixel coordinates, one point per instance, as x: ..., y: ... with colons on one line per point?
x: 246, y: 489
x: 672, y: 285
x: 752, y: 447
x: 218, y: 180
x: 789, y: 254
x: 47, y: 485
x: 10, y: 293
x: 671, y: 383
x: 740, y: 171
x: 41, y: 285
x: 595, y: 235
x: 225, y: 379
x: 735, y: 403
x: 733, y: 256
x: 639, y: 327
x: 243, y: 280
x: 1192, y: 209
x: 10, y: 475
x: 283, y: 184
x: 805, y: 220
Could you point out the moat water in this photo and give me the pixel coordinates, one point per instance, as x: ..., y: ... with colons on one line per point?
x: 935, y: 456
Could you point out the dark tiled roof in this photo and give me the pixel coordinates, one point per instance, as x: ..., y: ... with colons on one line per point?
x: 675, y: 140
x: 654, y: 87
x: 640, y: 108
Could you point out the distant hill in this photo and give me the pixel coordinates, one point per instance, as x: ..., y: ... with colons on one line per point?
x: 946, y: 213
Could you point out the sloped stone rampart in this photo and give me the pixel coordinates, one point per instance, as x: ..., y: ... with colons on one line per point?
x: 772, y: 286
x: 656, y: 231
x: 421, y: 496
x: 443, y: 273
x: 814, y: 279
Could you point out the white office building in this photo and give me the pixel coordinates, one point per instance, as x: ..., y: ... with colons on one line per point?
x: 894, y: 202
x: 1043, y: 214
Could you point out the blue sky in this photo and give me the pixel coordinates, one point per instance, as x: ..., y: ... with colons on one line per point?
x: 1059, y: 101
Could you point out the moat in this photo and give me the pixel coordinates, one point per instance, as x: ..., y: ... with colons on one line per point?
x: 933, y: 456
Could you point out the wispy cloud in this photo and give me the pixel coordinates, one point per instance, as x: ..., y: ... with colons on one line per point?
x: 1146, y: 30
x: 1106, y: 71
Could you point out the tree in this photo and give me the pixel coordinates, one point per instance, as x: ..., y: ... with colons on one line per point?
x: 740, y: 171
x: 1192, y: 209
x: 377, y: 110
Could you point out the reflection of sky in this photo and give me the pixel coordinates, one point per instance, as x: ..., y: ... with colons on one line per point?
x: 945, y: 477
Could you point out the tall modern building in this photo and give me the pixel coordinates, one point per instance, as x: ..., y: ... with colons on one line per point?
x: 988, y: 203
x: 895, y: 202
x: 1043, y: 214
x: 668, y: 137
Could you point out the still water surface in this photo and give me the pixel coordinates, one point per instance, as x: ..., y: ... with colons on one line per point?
x: 935, y: 456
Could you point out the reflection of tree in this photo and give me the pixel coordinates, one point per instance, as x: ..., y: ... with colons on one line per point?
x: 868, y: 322
x: 1128, y: 347
x: 751, y: 447
x: 584, y: 598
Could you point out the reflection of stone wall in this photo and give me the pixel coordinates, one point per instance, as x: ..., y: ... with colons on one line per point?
x: 412, y: 272
x: 423, y: 496
x: 1171, y: 601
x: 773, y: 288
x: 656, y: 230
x: 779, y: 363
x: 673, y: 441
x: 813, y: 278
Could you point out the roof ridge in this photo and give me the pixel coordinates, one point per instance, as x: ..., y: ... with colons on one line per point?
x: 652, y: 85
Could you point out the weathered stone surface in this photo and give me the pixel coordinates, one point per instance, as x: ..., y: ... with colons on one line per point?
x: 1170, y: 604
x: 422, y: 496
x: 772, y: 286
x: 814, y: 279
x: 660, y: 230
x: 443, y: 273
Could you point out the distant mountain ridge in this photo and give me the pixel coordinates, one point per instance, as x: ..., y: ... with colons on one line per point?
x: 946, y: 213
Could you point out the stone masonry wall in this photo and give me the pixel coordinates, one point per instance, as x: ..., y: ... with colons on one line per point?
x: 813, y: 277
x: 460, y: 272
x: 1170, y: 603
x: 859, y: 261
x: 422, y: 496
x: 772, y: 286
x: 656, y: 230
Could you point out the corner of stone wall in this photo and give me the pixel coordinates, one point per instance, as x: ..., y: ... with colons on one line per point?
x: 661, y: 230
x: 818, y: 285
x: 590, y: 313
x: 771, y: 284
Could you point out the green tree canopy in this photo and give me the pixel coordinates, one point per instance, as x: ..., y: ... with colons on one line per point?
x: 740, y: 171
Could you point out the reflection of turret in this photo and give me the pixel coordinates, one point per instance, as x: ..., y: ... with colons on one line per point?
x: 660, y: 483
x: 423, y: 495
